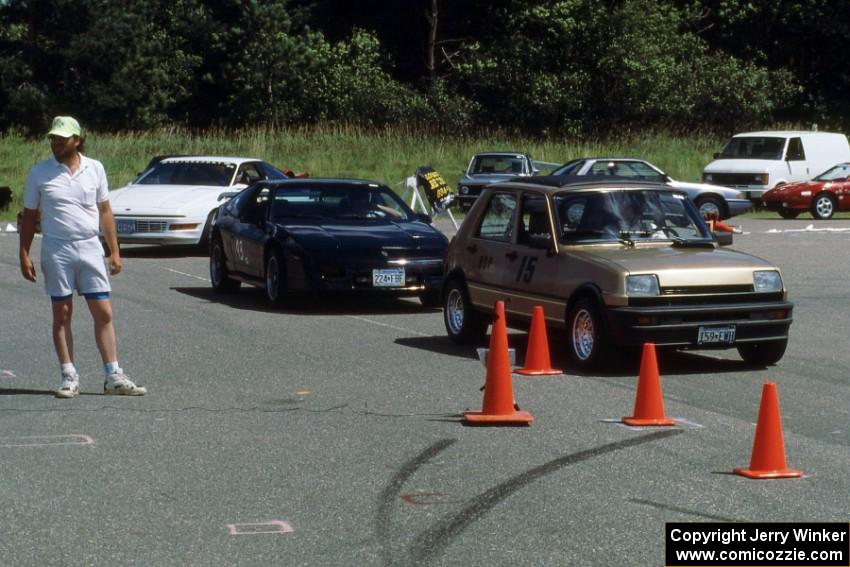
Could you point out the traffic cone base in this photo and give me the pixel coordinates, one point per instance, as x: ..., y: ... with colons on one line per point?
x: 537, y: 354
x: 638, y: 422
x: 480, y: 418
x: 539, y: 371
x: 784, y: 473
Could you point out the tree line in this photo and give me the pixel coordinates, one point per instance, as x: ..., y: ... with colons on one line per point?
x: 536, y: 67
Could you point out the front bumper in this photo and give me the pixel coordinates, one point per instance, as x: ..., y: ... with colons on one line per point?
x: 421, y: 275
x: 738, y: 206
x: 154, y: 230
x: 679, y: 325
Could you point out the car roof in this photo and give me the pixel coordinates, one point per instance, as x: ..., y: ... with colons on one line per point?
x: 500, y: 153
x: 203, y: 159
x: 325, y: 181
x: 785, y: 133
x: 554, y: 183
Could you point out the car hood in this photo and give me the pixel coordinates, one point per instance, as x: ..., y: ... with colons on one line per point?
x: 487, y: 178
x: 684, y: 266
x: 748, y: 165
x: 792, y: 188
x: 697, y: 188
x: 156, y: 199
x: 355, y: 240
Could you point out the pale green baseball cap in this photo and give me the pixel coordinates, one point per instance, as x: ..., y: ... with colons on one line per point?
x: 65, y: 127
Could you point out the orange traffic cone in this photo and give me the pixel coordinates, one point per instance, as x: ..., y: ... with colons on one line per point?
x: 537, y: 354
x: 649, y: 405
x: 498, y: 391
x: 768, y: 457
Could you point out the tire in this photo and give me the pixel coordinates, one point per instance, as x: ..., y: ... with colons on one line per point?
x: 585, y: 336
x: 275, y: 278
x: 823, y: 206
x: 464, y: 324
x: 430, y: 298
x: 788, y: 214
x: 711, y: 206
x: 219, y: 274
x: 764, y: 353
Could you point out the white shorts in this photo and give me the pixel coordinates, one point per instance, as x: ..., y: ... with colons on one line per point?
x: 73, y: 265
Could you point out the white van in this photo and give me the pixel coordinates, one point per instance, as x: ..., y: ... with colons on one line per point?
x: 754, y: 162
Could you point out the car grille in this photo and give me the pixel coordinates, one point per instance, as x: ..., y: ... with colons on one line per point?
x: 736, y: 179
x: 143, y: 225
x: 705, y: 295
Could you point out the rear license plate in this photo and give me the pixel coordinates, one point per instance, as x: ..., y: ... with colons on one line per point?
x: 126, y: 226
x: 716, y: 335
x: 392, y: 277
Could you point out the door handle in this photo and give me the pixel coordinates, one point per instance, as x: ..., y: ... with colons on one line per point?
x: 472, y: 248
x: 511, y: 256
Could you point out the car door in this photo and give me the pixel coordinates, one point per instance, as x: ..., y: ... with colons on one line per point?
x: 490, y: 251
x: 533, y: 279
x: 795, y: 157
x: 249, y: 233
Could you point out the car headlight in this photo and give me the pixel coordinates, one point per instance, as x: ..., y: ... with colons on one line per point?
x: 762, y: 179
x: 766, y: 281
x: 740, y: 195
x: 464, y: 189
x: 644, y: 285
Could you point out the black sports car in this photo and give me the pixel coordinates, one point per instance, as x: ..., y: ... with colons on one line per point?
x: 325, y: 235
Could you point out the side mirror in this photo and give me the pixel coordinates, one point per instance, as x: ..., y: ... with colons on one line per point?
x: 716, y: 155
x: 723, y: 238
x: 540, y: 241
x: 425, y: 217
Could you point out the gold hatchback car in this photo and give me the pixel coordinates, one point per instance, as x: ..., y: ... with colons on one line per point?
x: 614, y: 263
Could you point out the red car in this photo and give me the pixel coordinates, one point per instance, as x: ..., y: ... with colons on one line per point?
x: 822, y: 196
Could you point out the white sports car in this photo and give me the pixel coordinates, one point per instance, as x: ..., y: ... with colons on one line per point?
x: 173, y: 200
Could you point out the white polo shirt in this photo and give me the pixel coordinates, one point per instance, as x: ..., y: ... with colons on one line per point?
x: 68, y: 201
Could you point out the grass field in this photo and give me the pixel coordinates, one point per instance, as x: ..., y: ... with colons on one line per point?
x: 388, y: 156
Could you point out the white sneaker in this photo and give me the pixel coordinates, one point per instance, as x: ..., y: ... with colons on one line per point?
x: 119, y: 384
x: 70, y: 386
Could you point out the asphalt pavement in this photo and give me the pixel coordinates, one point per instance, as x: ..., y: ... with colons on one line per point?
x: 327, y: 433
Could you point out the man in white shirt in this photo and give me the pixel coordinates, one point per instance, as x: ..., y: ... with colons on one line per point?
x: 71, y: 191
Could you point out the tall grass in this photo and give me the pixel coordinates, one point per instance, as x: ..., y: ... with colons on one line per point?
x: 387, y: 155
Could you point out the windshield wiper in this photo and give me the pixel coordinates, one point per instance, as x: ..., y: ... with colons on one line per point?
x: 680, y: 242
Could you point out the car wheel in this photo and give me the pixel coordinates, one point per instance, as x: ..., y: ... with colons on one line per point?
x: 711, y: 208
x: 219, y: 274
x: 275, y: 279
x: 823, y: 206
x: 430, y: 298
x: 788, y: 213
x: 586, y: 338
x: 464, y: 324
x: 763, y: 353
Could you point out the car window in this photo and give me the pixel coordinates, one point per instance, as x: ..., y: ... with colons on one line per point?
x: 498, y: 164
x: 569, y: 168
x: 753, y: 147
x: 189, y: 173
x: 625, y: 215
x: 339, y: 201
x: 248, y: 173
x: 271, y: 172
x: 795, y: 150
x: 497, y: 220
x: 533, y: 219
x: 840, y: 171
x: 235, y: 205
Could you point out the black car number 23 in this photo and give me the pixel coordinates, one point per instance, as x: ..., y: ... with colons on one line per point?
x: 526, y: 269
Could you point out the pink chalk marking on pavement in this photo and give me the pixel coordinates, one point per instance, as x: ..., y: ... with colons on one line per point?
x: 45, y: 440
x: 272, y: 527
x: 7, y: 374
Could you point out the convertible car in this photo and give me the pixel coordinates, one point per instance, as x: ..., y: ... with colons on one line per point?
x: 173, y: 199
x: 823, y: 196
x: 314, y: 235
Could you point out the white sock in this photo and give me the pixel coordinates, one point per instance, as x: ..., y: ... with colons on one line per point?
x: 68, y: 369
x: 111, y: 367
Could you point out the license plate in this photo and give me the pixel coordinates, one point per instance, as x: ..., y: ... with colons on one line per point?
x: 716, y: 335
x: 126, y: 226
x: 392, y: 277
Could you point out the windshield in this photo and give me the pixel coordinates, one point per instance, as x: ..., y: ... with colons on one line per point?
x: 189, y: 173
x: 627, y: 216
x: 569, y: 168
x: 511, y: 164
x: 753, y: 147
x: 338, y: 201
x: 840, y: 171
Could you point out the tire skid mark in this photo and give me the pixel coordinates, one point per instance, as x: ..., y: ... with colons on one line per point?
x: 668, y: 508
x: 392, y: 492
x: 434, y: 541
